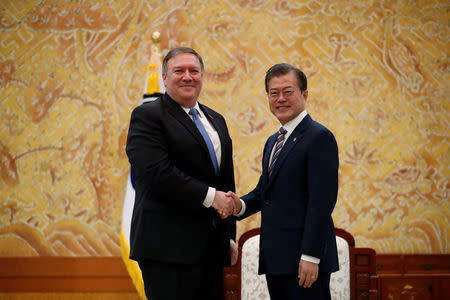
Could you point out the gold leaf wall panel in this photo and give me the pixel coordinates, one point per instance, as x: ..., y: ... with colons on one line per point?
x: 72, y: 71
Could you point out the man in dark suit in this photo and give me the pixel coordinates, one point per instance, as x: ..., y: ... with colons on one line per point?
x: 181, y: 155
x: 296, y: 194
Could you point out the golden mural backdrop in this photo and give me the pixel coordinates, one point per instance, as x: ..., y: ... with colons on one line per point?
x: 72, y: 71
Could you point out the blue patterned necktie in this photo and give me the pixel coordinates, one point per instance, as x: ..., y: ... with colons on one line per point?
x: 194, y: 113
x: 278, y: 146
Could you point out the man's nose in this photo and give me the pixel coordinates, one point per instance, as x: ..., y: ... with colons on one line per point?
x: 187, y: 75
x: 281, y: 98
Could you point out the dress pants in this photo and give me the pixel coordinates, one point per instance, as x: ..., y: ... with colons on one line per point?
x: 285, y: 287
x: 170, y: 281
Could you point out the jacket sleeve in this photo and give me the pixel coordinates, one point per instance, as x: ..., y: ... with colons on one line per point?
x: 253, y: 200
x: 149, y: 158
x: 322, y: 184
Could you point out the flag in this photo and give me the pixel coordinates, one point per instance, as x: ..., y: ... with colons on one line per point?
x: 154, y: 85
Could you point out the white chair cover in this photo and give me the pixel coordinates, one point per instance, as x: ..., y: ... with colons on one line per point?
x: 254, y: 286
x: 340, y: 280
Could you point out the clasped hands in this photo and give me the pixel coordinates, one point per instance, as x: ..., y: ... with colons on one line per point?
x: 226, y: 204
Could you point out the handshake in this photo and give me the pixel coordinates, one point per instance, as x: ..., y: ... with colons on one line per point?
x: 226, y: 204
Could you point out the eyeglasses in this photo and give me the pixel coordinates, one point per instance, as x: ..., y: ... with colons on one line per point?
x: 273, y: 95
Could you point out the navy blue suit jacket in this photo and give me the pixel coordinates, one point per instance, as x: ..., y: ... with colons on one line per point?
x: 297, y: 200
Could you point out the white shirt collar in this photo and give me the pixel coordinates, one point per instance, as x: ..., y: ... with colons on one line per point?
x: 292, y: 124
x: 196, y: 106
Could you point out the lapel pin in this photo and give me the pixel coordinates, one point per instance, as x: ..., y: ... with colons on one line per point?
x: 295, y: 139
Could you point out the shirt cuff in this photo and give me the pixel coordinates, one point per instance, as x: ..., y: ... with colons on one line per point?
x: 209, y: 199
x: 310, y: 258
x: 243, y: 207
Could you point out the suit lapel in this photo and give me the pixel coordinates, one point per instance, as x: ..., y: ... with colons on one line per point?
x: 268, y: 150
x: 181, y: 116
x: 293, y: 139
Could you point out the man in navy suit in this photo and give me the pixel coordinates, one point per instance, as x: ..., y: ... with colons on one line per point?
x: 181, y: 154
x: 296, y: 194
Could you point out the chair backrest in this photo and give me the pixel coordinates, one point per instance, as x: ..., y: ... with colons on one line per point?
x: 253, y: 286
x: 340, y: 280
x: 356, y: 278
